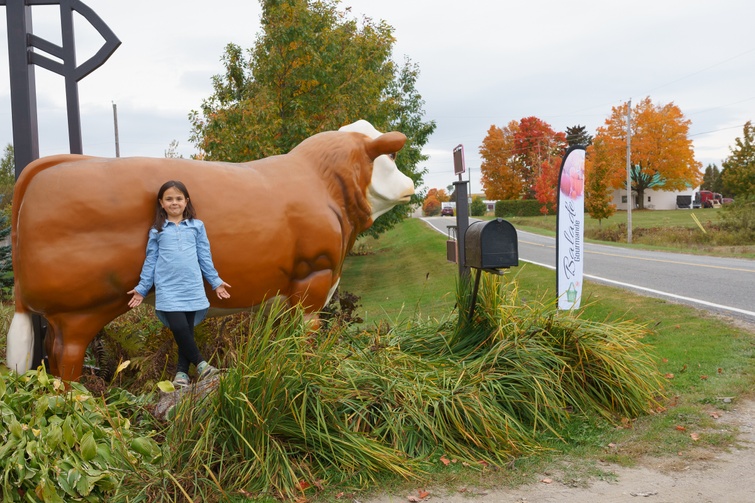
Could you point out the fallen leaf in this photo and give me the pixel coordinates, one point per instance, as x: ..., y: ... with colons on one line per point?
x: 166, y: 386
x: 703, y: 377
x: 547, y: 481
x: 715, y: 415
x: 484, y: 463
x: 413, y: 499
x: 665, y: 360
x: 669, y: 376
x: 680, y: 427
x: 423, y: 494
x: 684, y: 368
x: 122, y: 367
x: 612, y: 446
x: 720, y: 370
x: 694, y: 436
x: 444, y: 460
x: 302, y: 485
x: 339, y: 496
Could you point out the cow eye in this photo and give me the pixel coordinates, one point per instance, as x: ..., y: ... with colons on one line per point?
x: 392, y: 155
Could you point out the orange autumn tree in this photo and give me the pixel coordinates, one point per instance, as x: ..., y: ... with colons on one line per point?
x: 661, y: 155
x: 502, y: 176
x: 512, y: 157
x: 431, y: 205
x: 537, y: 144
x: 546, y: 185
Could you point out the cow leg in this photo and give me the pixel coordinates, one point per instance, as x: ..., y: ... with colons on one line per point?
x: 52, y: 342
x: 313, y: 293
x: 72, y: 334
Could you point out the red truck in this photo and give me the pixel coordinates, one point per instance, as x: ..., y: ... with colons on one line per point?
x: 707, y: 199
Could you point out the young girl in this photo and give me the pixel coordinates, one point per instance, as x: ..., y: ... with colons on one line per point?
x: 178, y: 255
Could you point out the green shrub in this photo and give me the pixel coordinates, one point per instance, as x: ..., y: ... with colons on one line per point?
x: 478, y: 207
x: 517, y: 208
x: 739, y: 217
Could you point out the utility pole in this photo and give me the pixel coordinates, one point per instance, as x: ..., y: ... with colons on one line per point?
x: 629, y: 169
x: 115, y: 125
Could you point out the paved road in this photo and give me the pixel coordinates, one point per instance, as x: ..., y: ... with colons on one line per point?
x: 721, y: 285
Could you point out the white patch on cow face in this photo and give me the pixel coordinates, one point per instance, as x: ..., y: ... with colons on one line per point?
x: 388, y: 186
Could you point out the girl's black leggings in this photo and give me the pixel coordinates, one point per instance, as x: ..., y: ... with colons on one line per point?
x: 181, y: 323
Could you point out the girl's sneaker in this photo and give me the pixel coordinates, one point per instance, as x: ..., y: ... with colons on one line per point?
x: 181, y: 380
x: 205, y: 371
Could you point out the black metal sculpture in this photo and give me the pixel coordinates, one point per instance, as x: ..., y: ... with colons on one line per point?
x: 24, y: 51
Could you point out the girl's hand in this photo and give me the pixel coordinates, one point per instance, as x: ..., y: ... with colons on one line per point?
x: 136, y: 299
x: 222, y: 292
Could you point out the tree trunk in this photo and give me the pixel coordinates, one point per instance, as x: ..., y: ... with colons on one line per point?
x: 640, y: 199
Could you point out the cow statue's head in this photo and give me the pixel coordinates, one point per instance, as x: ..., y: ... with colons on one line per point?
x: 388, y: 186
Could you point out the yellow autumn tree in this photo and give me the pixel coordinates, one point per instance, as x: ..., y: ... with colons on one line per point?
x: 662, y: 157
x: 597, y: 184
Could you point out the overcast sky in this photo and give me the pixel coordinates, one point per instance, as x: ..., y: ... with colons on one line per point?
x: 481, y: 62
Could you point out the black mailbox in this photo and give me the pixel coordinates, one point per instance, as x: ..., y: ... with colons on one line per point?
x: 491, y: 245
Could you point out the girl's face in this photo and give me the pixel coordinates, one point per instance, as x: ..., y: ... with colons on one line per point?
x: 174, y: 202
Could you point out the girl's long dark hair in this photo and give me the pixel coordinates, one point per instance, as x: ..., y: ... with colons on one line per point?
x: 160, y: 215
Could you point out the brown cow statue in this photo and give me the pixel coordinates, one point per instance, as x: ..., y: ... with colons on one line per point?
x: 278, y: 226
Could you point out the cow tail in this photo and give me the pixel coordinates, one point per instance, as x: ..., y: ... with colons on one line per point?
x: 20, y: 342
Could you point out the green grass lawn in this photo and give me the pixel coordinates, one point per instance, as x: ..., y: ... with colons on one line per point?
x: 647, y: 219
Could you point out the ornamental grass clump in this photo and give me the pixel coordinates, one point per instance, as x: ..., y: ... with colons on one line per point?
x: 270, y: 428
x: 298, y: 410
x: 601, y: 367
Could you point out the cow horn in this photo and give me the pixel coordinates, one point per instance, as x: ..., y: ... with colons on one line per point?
x: 388, y: 143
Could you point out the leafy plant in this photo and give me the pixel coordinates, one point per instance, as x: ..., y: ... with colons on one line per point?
x: 59, y: 443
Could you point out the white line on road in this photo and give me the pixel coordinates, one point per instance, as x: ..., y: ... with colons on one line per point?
x: 656, y: 292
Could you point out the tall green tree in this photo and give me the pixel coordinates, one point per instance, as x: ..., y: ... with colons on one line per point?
x: 738, y: 173
x: 312, y: 69
x: 578, y: 135
x: 7, y: 178
x: 7, y: 182
x: 711, y: 178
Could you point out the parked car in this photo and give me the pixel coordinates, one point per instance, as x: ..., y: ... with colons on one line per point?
x: 447, y: 212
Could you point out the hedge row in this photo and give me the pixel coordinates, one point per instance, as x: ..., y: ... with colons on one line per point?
x: 518, y: 208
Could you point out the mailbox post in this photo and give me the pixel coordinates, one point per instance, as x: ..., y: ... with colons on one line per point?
x: 490, y: 246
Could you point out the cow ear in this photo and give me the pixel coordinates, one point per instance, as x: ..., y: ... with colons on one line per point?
x: 388, y: 143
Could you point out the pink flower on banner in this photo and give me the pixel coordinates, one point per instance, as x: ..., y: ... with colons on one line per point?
x: 573, y: 179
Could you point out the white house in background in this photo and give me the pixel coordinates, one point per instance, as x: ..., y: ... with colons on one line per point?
x: 654, y: 199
